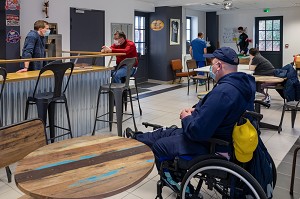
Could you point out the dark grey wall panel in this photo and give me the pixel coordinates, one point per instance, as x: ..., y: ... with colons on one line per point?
x: 212, y: 30
x: 9, y: 50
x: 161, y: 52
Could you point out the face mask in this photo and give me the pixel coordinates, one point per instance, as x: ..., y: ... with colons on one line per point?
x: 47, y: 33
x: 211, y: 74
x: 116, y: 42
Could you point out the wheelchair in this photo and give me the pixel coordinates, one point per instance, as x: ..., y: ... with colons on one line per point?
x: 210, y: 176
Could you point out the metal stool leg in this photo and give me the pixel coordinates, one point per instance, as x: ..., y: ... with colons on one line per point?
x: 137, y: 96
x: 98, y: 98
x: 132, y: 111
x: 68, y: 117
x: 8, y: 173
x: 293, y: 170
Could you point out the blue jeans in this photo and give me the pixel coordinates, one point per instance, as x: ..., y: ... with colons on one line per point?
x: 199, y: 65
x: 121, y: 73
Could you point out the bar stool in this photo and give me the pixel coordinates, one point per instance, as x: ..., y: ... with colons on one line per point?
x: 47, y: 100
x: 132, y: 78
x: 116, y: 92
x: 3, y: 75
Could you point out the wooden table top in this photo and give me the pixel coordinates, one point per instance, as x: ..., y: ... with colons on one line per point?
x: 268, y: 79
x: 84, y: 167
x: 15, y: 77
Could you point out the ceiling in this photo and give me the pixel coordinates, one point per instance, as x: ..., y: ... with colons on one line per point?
x: 237, y: 4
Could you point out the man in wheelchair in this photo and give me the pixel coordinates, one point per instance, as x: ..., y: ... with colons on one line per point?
x: 177, y: 149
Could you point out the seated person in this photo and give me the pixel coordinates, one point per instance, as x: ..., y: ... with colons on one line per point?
x: 261, y: 66
x: 121, y: 45
x: 213, y: 117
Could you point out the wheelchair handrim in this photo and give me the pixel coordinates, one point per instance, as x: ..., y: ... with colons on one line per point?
x: 222, y: 169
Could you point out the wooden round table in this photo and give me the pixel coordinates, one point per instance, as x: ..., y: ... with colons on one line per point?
x: 84, y: 167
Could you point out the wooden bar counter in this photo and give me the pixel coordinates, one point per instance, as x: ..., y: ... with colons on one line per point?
x: 81, y: 94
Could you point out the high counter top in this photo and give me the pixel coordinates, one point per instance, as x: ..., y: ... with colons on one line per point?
x: 15, y: 77
x: 9, y: 61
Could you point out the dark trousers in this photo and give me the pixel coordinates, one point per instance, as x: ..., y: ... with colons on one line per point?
x: 166, y: 144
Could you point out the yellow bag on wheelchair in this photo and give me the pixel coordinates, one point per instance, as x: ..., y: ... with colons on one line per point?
x: 245, y: 140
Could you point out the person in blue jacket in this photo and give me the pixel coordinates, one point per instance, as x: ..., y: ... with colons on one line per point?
x: 213, y: 117
x: 34, y: 46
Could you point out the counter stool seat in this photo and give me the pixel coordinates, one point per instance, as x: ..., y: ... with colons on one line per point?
x: 46, y: 101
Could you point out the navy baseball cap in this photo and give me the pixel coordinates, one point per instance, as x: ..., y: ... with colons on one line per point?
x: 227, y: 55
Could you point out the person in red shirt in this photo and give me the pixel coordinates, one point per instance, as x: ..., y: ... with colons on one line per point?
x: 121, y: 45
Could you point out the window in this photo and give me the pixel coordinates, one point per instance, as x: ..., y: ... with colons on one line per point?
x: 269, y: 35
x: 139, y: 34
x: 188, y: 33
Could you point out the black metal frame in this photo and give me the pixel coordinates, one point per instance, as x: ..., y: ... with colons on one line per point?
x: 48, y: 100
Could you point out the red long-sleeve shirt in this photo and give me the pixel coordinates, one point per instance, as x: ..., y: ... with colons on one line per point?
x: 127, y: 47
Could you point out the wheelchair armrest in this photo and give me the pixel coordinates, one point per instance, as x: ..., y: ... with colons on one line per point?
x: 213, y: 142
x: 155, y: 126
x: 253, y: 114
x: 262, y: 103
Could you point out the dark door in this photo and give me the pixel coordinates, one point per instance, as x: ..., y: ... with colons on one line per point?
x: 141, y: 40
x: 87, y: 32
x: 268, y: 38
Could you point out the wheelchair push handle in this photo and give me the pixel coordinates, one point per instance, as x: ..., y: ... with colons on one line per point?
x: 253, y: 114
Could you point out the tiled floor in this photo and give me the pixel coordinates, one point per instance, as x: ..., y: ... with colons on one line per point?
x: 163, y: 108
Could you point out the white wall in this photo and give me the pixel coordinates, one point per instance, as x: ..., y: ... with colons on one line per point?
x: 116, y: 11
x: 198, y: 21
x: 198, y: 25
x: 291, y: 27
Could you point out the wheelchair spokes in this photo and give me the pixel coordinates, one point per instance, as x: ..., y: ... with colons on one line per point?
x: 219, y: 179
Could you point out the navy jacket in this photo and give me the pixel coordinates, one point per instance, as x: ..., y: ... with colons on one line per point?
x: 34, y: 47
x: 291, y: 89
x: 216, y: 115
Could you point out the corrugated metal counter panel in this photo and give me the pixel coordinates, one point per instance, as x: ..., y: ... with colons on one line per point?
x: 81, y: 94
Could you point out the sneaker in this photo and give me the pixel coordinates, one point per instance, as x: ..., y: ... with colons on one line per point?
x: 201, y: 83
x: 129, y: 133
x: 267, y: 99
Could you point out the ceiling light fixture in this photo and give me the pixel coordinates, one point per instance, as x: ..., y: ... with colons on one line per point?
x: 227, y: 4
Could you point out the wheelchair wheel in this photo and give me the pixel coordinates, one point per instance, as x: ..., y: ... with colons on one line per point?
x: 219, y: 179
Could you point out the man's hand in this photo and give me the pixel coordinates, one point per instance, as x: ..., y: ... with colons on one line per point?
x: 186, y: 112
x: 22, y: 70
x: 106, y: 49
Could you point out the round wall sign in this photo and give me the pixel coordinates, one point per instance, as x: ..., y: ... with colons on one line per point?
x: 157, y: 25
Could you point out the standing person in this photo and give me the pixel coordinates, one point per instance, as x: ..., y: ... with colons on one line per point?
x: 121, y: 45
x: 261, y: 66
x: 197, y: 49
x: 232, y: 95
x: 243, y: 41
x: 34, y: 46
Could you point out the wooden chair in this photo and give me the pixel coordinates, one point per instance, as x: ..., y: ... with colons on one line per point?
x: 177, y: 70
x: 18, y: 140
x: 191, y: 66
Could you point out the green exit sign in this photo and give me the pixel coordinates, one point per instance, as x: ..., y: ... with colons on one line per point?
x: 267, y: 10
